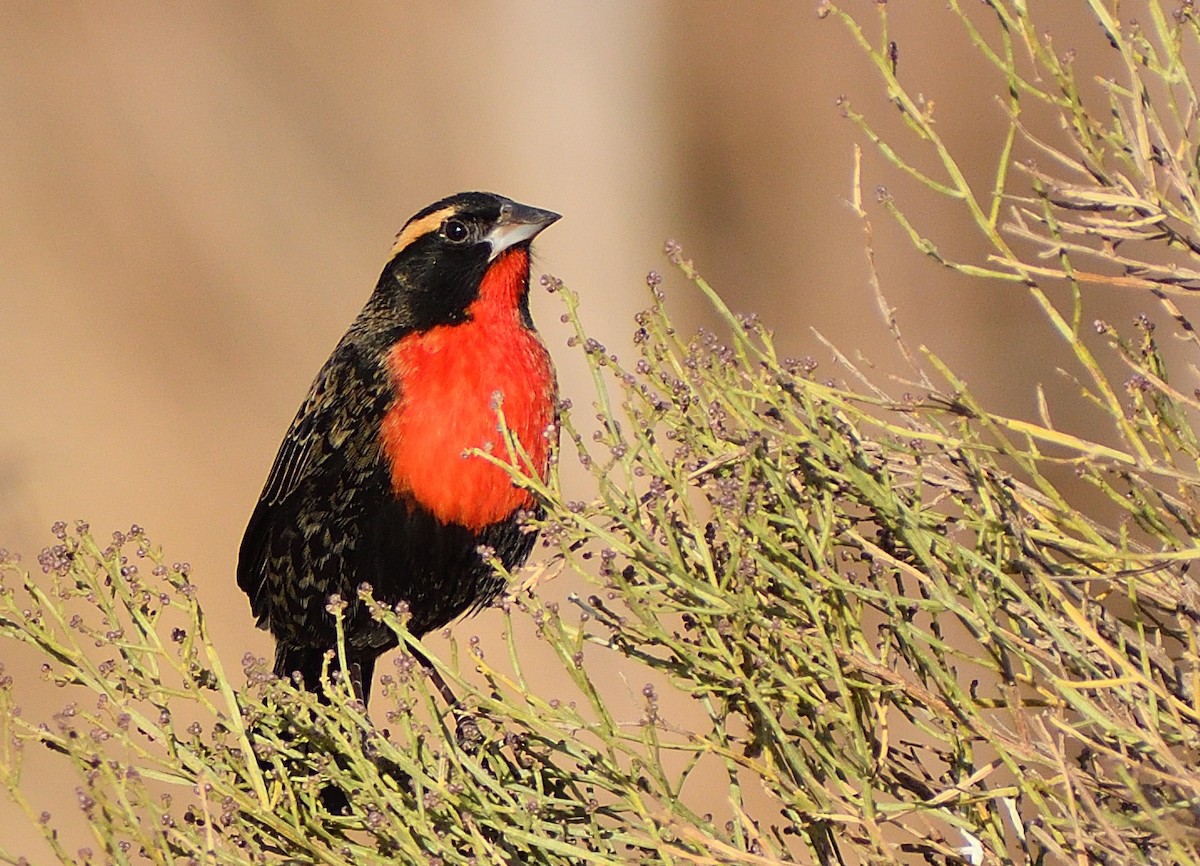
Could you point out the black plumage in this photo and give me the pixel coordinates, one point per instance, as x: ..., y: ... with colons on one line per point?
x: 330, y: 516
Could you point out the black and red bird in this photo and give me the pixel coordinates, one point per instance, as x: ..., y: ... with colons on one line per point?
x: 372, y: 483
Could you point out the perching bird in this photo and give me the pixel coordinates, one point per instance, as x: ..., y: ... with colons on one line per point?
x: 372, y: 483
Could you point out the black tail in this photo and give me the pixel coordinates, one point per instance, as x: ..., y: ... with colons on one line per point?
x: 308, y: 661
x: 305, y: 660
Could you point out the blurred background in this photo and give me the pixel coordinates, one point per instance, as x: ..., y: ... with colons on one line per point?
x: 195, y: 200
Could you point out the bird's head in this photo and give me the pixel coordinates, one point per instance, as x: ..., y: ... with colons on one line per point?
x: 465, y: 254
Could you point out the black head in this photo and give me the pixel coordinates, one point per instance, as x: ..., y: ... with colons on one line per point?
x: 441, y: 255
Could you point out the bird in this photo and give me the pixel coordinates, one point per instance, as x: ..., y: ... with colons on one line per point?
x: 374, y: 482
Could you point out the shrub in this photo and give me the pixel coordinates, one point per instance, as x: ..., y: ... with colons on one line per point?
x: 904, y: 636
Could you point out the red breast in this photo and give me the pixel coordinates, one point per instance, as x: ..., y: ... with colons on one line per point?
x: 447, y: 379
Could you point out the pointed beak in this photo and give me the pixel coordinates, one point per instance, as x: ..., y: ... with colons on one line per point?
x: 518, y: 223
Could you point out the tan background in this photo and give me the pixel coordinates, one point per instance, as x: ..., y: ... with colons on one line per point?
x: 195, y: 200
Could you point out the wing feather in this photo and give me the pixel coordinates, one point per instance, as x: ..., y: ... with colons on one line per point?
x: 337, y: 422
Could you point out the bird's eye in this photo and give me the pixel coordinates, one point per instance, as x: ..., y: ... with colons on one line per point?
x: 455, y: 231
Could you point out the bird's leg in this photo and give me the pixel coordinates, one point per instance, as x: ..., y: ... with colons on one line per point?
x: 356, y: 681
x: 467, y: 731
x: 361, y: 670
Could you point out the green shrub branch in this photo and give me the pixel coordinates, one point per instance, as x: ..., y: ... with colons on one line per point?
x: 866, y: 627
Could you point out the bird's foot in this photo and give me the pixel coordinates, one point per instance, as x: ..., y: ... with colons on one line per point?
x: 334, y: 800
x: 467, y: 733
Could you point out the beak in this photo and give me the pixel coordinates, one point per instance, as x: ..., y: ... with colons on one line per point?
x: 518, y: 223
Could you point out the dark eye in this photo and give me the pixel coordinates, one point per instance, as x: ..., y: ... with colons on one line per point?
x: 455, y: 231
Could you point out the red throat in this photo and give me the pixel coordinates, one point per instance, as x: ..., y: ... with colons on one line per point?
x: 504, y: 283
x: 446, y: 379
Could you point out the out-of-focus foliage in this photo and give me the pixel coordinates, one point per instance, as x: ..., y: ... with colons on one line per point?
x: 901, y: 636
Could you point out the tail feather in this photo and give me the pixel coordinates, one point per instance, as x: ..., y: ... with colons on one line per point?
x: 304, y: 660
x: 308, y: 662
